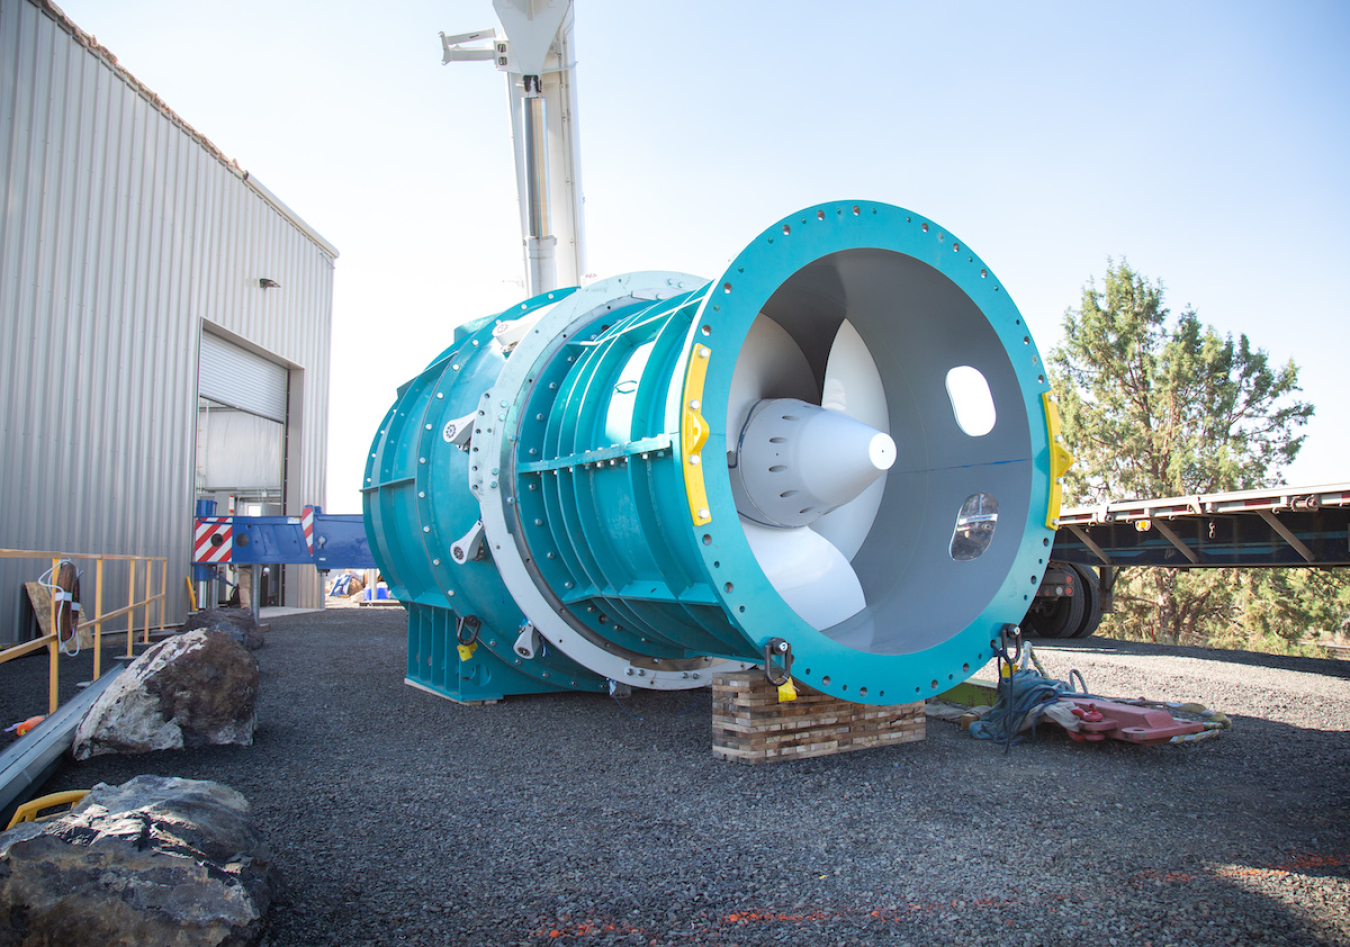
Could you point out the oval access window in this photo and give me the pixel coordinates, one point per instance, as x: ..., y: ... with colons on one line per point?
x: 972, y: 403
x: 974, y: 527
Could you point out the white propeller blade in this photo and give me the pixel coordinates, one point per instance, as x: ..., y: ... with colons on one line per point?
x: 770, y: 365
x: 853, y: 386
x: 812, y: 576
x: 852, y: 382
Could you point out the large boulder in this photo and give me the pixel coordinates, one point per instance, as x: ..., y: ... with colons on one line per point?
x: 155, y: 862
x: 238, y: 623
x: 195, y: 689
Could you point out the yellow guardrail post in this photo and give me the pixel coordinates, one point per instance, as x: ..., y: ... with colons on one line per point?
x: 131, y: 611
x: 163, y: 591
x: 149, y: 573
x: 54, y: 648
x: 98, y: 617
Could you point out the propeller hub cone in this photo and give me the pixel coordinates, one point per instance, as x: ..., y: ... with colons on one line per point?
x: 798, y: 461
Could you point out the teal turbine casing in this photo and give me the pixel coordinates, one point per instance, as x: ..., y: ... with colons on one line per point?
x: 565, y: 488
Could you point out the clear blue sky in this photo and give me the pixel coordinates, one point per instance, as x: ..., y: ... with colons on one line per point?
x: 1206, y: 142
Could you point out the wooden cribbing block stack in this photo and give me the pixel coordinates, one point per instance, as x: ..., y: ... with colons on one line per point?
x: 750, y: 725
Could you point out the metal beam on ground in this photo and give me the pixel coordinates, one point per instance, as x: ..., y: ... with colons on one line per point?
x: 27, y: 763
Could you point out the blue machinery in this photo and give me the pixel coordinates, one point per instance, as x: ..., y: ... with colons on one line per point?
x: 323, y: 540
x: 837, y: 460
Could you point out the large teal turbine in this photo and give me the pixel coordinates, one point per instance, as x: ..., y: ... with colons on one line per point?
x: 843, y: 447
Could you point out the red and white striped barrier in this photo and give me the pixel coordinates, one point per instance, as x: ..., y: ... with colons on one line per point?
x: 307, y: 523
x: 214, y: 540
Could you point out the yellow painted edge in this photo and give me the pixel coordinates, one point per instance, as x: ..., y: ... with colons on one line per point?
x: 694, y: 434
x: 1060, y: 460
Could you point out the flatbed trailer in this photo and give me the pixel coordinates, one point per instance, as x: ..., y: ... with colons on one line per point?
x: 1278, y: 527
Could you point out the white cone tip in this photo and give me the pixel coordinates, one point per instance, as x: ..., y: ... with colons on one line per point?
x: 881, y: 451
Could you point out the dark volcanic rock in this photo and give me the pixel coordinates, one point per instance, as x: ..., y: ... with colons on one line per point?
x: 196, y: 689
x: 238, y: 623
x: 155, y: 862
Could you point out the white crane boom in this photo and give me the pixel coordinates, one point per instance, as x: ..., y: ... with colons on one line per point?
x: 536, y: 53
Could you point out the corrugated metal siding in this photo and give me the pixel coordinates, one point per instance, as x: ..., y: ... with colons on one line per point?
x: 122, y: 234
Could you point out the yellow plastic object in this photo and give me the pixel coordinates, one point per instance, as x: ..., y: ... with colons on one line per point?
x: 694, y: 434
x: 1060, y: 461
x: 466, y: 650
x: 28, y: 812
x: 787, y: 691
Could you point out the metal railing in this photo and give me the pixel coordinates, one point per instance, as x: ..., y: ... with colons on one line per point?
x: 52, y: 640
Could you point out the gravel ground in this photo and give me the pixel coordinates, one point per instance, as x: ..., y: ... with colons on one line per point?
x: 401, y: 818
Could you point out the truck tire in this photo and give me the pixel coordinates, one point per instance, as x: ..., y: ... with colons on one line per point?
x: 1055, y: 617
x: 1092, y: 601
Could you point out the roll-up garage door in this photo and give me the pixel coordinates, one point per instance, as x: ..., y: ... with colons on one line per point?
x: 236, y: 377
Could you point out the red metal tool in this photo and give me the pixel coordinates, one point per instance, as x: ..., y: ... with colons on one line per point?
x: 1146, y: 726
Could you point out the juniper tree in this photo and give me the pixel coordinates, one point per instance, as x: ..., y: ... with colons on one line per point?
x: 1153, y: 406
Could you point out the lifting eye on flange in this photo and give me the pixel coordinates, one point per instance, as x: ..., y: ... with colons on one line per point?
x: 466, y: 630
x: 776, y: 649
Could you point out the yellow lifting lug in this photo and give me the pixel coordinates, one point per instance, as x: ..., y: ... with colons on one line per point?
x: 694, y: 434
x: 1060, y: 460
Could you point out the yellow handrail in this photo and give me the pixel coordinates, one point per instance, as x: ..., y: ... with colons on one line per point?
x: 52, y: 640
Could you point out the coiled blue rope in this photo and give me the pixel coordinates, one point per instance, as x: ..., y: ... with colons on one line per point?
x: 1022, y: 697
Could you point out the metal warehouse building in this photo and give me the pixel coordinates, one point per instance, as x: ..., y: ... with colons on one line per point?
x: 166, y: 323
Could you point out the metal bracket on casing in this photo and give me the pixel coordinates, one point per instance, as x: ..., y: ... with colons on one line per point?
x: 694, y: 432
x: 777, y: 648
x: 1060, y: 460
x: 470, y: 547
x: 459, y: 431
x: 527, y: 643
